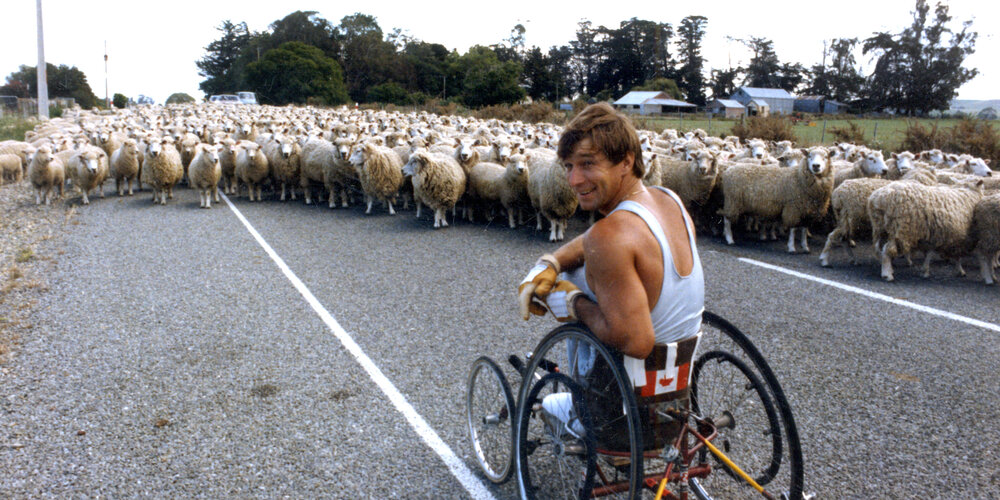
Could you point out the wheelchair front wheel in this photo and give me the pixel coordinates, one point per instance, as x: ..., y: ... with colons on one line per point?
x: 490, y: 411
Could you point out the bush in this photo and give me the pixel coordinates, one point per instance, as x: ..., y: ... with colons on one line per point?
x: 389, y: 93
x: 769, y: 128
x: 55, y: 111
x: 975, y: 137
x: 852, y: 133
x: 120, y: 101
x: 918, y: 138
x: 175, y: 98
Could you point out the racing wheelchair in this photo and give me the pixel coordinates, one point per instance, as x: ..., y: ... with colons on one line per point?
x: 710, y: 421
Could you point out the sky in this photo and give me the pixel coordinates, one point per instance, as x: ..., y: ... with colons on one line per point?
x: 153, y: 52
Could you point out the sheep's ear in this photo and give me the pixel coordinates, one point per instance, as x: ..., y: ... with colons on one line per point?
x: 894, y: 156
x: 805, y: 152
x: 987, y: 161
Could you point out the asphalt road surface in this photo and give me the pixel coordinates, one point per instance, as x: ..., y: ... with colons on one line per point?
x: 172, y: 357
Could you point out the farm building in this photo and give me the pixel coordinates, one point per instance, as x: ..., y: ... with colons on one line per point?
x: 650, y: 102
x: 728, y: 108
x: 819, y: 104
x: 765, y: 101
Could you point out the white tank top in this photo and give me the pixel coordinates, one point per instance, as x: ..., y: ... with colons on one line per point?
x: 677, y: 314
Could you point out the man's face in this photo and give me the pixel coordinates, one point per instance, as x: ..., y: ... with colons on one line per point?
x: 595, y: 180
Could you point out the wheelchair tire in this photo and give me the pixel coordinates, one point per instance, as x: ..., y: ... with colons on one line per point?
x: 574, y: 352
x: 491, y: 413
x: 719, y: 334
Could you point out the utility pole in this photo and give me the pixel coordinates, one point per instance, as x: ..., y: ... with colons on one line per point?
x: 107, y: 102
x: 41, y: 70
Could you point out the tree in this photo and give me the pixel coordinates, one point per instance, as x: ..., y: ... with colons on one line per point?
x: 919, y: 69
x: 297, y: 73
x: 723, y: 83
x: 690, y: 75
x: 120, y: 101
x: 62, y: 80
x: 425, y: 67
x: 219, y: 65
x: 764, y: 66
x: 389, y: 93
x: 367, y: 58
x: 791, y: 76
x: 486, y: 80
x: 841, y: 80
x: 179, y: 98
x: 302, y: 26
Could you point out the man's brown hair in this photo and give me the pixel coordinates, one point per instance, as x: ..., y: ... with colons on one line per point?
x: 610, y: 132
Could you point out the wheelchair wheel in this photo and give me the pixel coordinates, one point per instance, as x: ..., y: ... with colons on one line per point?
x: 785, y: 476
x: 607, y: 399
x: 557, y: 456
x: 490, y: 410
x: 726, y: 391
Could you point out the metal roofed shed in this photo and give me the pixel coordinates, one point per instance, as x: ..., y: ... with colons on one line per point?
x: 650, y: 102
x: 728, y: 108
x: 776, y: 100
x: 819, y: 104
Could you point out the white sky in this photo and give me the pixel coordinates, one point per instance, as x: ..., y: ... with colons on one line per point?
x: 153, y: 51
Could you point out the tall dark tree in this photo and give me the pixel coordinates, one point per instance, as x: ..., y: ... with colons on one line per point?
x: 840, y: 79
x: 367, y: 58
x: 587, y: 56
x: 919, y: 69
x: 427, y: 67
x: 791, y: 76
x: 219, y: 65
x: 62, y: 81
x: 561, y: 70
x: 764, y: 65
x: 485, y: 80
x: 302, y: 26
x: 537, y: 75
x: 691, y: 78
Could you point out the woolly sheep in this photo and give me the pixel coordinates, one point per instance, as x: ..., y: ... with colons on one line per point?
x: 550, y: 193
x: 909, y: 215
x: 161, y: 168
x: 46, y: 173
x: 125, y: 166
x: 317, y: 157
x: 849, y: 204
x: 204, y: 173
x: 694, y: 180
x: 251, y: 167
x: 284, y: 157
x: 227, y: 165
x: 438, y: 182
x: 380, y: 171
x: 10, y: 168
x: 339, y: 175
x: 797, y: 195
x: 88, y: 168
x: 986, y: 234
x: 506, y: 185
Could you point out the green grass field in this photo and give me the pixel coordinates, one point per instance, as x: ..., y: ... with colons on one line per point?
x: 887, y: 133
x: 14, y: 127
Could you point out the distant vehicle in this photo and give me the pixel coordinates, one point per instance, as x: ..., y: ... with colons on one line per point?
x: 224, y: 99
x: 143, y: 100
x: 247, y: 97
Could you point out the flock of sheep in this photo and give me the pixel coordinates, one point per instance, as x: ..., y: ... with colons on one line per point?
x: 945, y: 205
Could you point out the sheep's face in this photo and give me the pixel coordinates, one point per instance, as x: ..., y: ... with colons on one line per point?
x: 873, y: 163
x: 817, y: 160
x: 950, y: 160
x: 212, y: 153
x: 343, y: 151
x: 904, y: 162
x: 465, y: 151
x: 154, y: 148
x: 757, y: 149
x: 690, y: 150
x: 705, y: 162
x: 286, y: 148
x: 357, y: 158
x: 520, y: 164
x: 89, y: 161
x: 934, y: 156
x: 412, y: 166
x: 791, y: 159
x: 978, y: 167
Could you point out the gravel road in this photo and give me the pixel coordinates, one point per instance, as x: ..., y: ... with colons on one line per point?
x: 171, y: 358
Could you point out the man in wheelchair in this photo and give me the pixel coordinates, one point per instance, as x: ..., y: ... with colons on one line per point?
x: 634, y: 278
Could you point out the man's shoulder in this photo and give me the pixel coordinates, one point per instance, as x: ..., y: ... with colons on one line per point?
x: 618, y: 230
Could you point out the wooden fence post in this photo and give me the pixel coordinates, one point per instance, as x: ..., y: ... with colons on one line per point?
x: 822, y: 138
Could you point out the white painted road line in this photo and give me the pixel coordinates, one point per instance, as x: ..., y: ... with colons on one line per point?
x: 874, y: 295
x: 471, y: 483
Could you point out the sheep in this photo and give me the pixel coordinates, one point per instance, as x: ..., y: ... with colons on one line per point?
x: 986, y: 233
x: 317, y: 157
x: 251, y: 167
x: 227, y: 164
x: 284, y: 156
x: 46, y: 173
x: 910, y: 215
x: 204, y: 173
x: 796, y: 195
x: 339, y: 174
x: 125, y: 166
x: 972, y: 166
x: 549, y: 192
x: 380, y: 171
x: 88, y: 168
x: 10, y: 168
x: 508, y: 185
x: 849, y: 204
x: 871, y: 164
x: 161, y: 168
x: 694, y: 180
x: 186, y: 144
x: 438, y: 182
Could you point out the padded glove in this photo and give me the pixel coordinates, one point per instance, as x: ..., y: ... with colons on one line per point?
x: 560, y: 301
x: 537, y: 283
